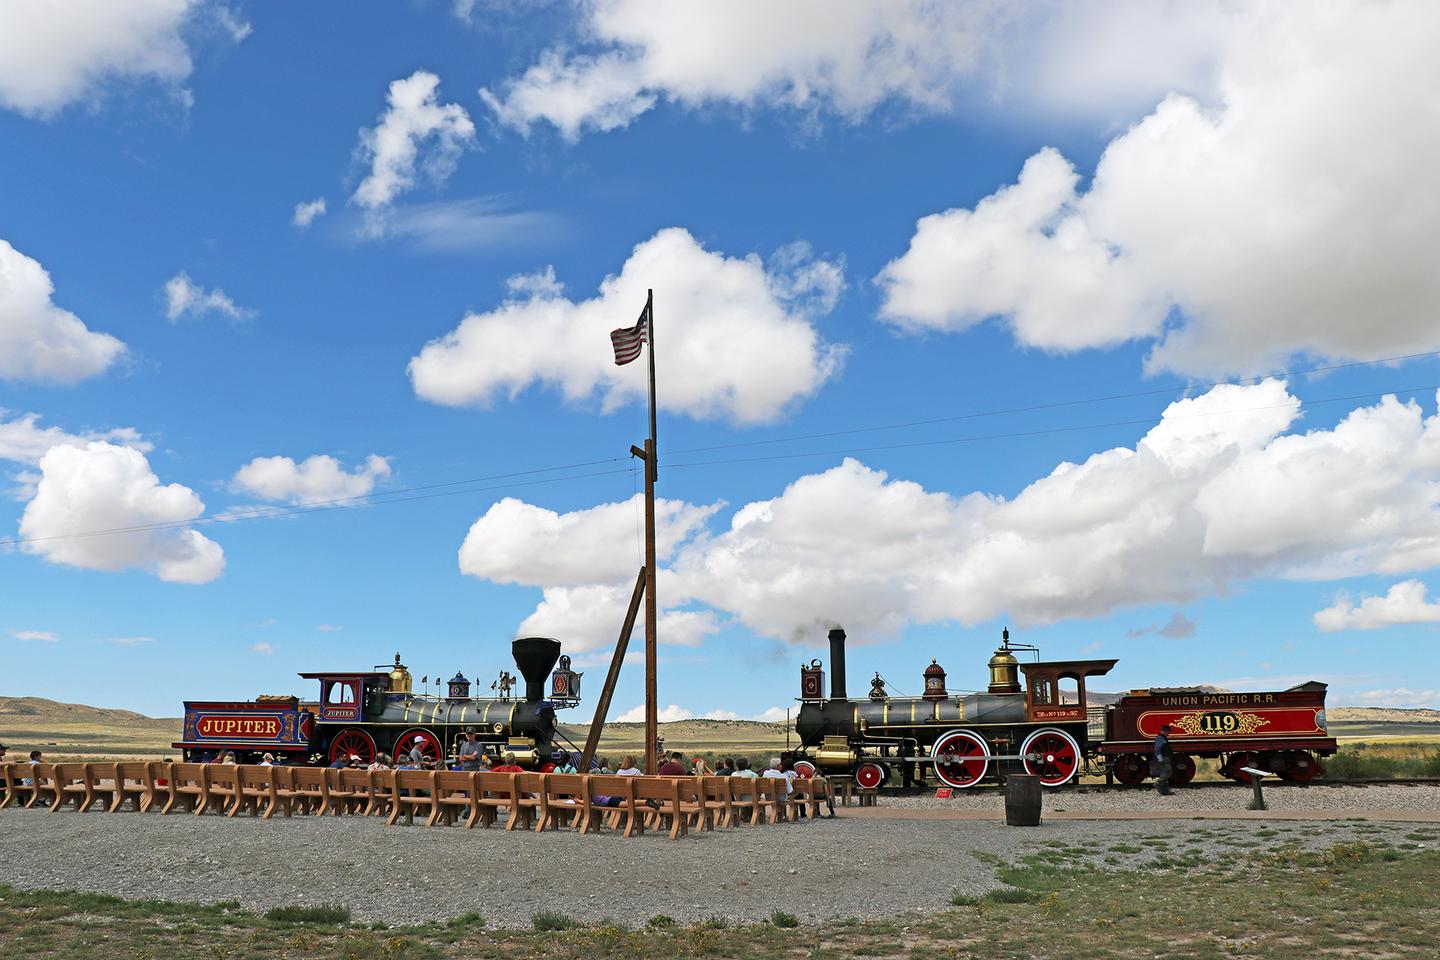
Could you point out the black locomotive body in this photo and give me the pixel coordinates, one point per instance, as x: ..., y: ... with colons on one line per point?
x: 960, y: 740
x: 377, y: 713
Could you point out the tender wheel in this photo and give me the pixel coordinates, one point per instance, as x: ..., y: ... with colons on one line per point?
x: 352, y: 742
x: 805, y: 769
x: 1234, y: 768
x: 1052, y: 755
x: 962, y: 758
x: 429, y: 745
x: 1131, y: 769
x: 1182, y: 769
x: 869, y: 775
x: 1302, y: 767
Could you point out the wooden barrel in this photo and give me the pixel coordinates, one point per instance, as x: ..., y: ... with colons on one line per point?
x: 1022, y: 800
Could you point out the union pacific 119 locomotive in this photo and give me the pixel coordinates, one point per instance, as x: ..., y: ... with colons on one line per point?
x: 369, y: 714
x: 1045, y: 728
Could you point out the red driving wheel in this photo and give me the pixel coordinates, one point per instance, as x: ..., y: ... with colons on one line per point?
x: 1131, y: 769
x: 352, y: 742
x: 805, y: 769
x: 1182, y: 769
x: 869, y: 775
x: 428, y: 743
x: 1234, y: 768
x: 1052, y: 755
x: 962, y: 758
x: 1302, y: 766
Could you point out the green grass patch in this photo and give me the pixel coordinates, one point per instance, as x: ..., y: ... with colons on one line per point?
x: 782, y: 919
x: 326, y: 915
x: 547, y: 921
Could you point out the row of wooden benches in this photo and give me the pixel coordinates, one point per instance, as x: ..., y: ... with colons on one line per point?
x: 539, y: 801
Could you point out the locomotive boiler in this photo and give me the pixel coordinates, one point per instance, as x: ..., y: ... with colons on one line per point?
x: 377, y: 713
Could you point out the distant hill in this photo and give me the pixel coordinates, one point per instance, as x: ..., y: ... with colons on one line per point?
x: 1383, y: 714
x: 15, y: 710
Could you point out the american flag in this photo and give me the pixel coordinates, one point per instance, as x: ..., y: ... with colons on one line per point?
x: 627, y: 341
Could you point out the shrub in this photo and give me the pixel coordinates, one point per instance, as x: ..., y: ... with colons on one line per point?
x: 326, y: 914
x: 659, y: 921
x: 549, y: 920
x: 782, y: 919
x: 958, y: 899
x: 1011, y: 895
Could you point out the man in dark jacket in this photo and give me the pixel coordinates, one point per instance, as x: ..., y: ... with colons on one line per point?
x: 1164, y: 766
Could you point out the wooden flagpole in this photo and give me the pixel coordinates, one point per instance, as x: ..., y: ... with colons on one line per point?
x: 602, y: 705
x: 651, y: 609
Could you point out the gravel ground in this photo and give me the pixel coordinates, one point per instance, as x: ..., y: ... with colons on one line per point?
x: 1340, y: 798
x: 830, y: 868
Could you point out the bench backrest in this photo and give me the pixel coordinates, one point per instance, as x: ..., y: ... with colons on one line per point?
x: 222, y: 778
x: 72, y: 774
x: 531, y: 783
x: 657, y: 788
x: 567, y: 784
x: 413, y: 780
x: 715, y: 789
x: 187, y: 777
x: 743, y: 790
x: 355, y: 781
x: 456, y: 781
x: 129, y: 775
x: 497, y: 785
x: 255, y: 778
x: 610, y: 785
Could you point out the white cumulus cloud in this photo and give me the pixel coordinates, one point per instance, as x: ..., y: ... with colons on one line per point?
x: 1404, y: 603
x: 307, y: 212
x: 320, y: 477
x: 53, y: 54
x: 736, y: 340
x: 262, y: 648
x: 101, y: 486
x: 1218, y: 493
x: 849, y: 57
x: 184, y: 296
x: 36, y: 636
x: 674, y: 712
x: 1284, y: 219
x: 23, y: 440
x: 1395, y: 697
x: 38, y: 340
x: 414, y: 123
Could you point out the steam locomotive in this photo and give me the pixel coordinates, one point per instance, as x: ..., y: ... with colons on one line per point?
x: 377, y: 713
x: 1045, y: 728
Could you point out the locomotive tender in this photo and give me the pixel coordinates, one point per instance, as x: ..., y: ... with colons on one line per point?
x: 1042, y: 729
x: 377, y: 713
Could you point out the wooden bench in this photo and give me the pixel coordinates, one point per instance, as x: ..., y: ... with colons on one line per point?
x: 412, y: 789
x: 456, y: 791
x: 771, y: 792
x: 567, y: 797
x: 497, y: 791
x: 42, y: 776
x: 745, y: 800
x: 72, y: 785
x: 613, y: 785
x: 715, y: 794
x: 17, y: 791
x: 222, y: 787
x: 186, y: 786
x: 132, y: 781
x: 302, y: 787
x: 530, y: 800
x: 348, y: 789
x: 254, y: 785
x: 662, y: 796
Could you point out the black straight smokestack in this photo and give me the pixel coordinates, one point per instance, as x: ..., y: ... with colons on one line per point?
x: 535, y: 656
x: 837, y: 664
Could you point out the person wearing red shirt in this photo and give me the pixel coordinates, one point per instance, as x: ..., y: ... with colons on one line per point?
x: 674, y: 766
x: 509, y: 766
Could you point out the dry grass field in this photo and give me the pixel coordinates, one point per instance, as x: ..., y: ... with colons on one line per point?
x: 76, y: 731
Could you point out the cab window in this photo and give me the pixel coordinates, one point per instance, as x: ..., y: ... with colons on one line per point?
x: 1042, y: 691
x: 341, y: 693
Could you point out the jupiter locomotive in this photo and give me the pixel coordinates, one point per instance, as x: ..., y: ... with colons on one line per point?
x: 377, y: 713
x: 1034, y: 718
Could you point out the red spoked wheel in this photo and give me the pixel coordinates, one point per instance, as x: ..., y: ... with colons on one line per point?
x: 1234, y: 767
x: 1131, y: 769
x: 428, y: 743
x: 1052, y: 755
x: 805, y: 769
x: 352, y: 742
x: 870, y: 775
x: 962, y: 758
x: 1182, y: 769
x: 1301, y: 766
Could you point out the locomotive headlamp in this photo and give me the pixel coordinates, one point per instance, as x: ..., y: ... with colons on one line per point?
x: 459, y: 687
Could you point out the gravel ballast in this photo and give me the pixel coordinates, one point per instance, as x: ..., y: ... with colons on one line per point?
x: 1333, y: 798
x: 410, y: 874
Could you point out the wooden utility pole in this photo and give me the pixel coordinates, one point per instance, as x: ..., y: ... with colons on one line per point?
x: 652, y: 473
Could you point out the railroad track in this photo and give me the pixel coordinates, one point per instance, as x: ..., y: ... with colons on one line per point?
x: 1194, y: 784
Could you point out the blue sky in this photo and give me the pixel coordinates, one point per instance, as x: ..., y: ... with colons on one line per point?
x: 851, y: 220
